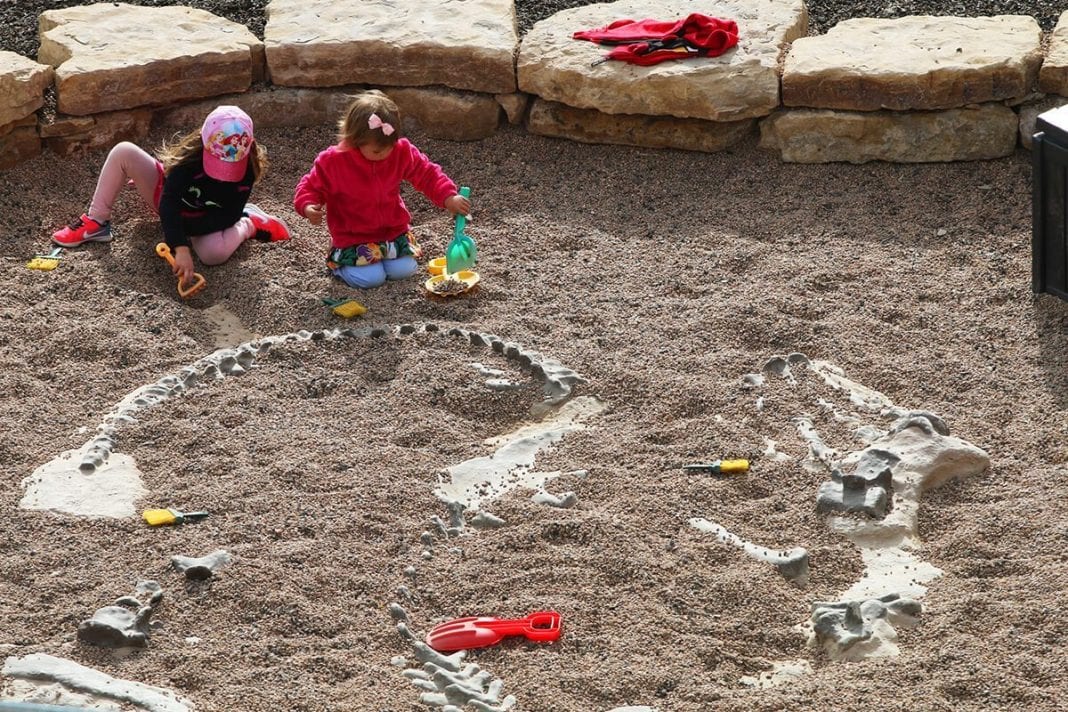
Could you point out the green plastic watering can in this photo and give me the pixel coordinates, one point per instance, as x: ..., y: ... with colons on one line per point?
x: 461, y: 252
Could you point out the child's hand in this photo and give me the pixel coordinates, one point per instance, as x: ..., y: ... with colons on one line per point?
x: 314, y: 213
x: 183, y: 264
x: 458, y: 205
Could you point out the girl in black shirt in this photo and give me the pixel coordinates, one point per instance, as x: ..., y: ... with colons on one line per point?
x: 199, y: 186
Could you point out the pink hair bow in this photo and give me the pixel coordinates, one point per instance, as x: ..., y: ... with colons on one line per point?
x: 374, y: 122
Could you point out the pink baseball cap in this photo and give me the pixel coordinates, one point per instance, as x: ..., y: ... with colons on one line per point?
x: 227, y: 136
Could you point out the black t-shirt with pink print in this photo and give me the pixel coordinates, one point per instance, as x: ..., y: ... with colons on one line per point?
x: 193, y: 203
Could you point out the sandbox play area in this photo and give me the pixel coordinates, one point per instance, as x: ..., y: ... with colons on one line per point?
x: 865, y: 336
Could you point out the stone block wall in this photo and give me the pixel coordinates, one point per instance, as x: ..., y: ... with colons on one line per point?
x: 443, y: 63
x: 22, y: 86
x: 906, y: 90
x: 703, y: 105
x: 112, y: 56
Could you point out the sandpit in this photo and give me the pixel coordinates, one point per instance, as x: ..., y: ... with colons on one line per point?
x: 324, y: 462
x: 865, y: 336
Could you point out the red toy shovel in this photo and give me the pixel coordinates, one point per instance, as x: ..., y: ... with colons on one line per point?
x: 464, y: 633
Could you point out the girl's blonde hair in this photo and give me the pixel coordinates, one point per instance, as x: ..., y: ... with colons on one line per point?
x: 182, y: 149
x: 354, y: 128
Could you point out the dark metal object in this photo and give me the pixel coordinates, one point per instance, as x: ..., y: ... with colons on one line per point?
x: 1049, y: 204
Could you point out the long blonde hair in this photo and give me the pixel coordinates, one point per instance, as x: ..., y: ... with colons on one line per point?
x: 183, y: 149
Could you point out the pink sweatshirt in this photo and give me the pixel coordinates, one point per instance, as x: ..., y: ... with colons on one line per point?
x: 362, y: 198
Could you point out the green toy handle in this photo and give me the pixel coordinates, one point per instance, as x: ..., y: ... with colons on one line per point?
x: 461, y: 220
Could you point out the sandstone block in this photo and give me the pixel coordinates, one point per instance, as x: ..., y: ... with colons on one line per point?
x: 741, y: 84
x: 66, y: 135
x: 18, y: 145
x: 277, y: 107
x: 589, y: 126
x: 112, y: 56
x: 437, y: 111
x: 25, y: 121
x: 463, y: 45
x: 1053, y: 77
x: 66, y: 126
x: 823, y: 136
x: 444, y: 113
x: 916, y: 62
x: 22, y: 86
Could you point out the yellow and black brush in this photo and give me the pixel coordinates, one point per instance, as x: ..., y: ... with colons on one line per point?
x: 346, y: 308
x: 161, y: 517
x: 46, y: 262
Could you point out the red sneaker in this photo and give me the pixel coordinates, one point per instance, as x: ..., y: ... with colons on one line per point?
x: 84, y: 229
x: 268, y: 227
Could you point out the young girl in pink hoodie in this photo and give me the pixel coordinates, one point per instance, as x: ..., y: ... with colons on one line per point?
x: 356, y: 184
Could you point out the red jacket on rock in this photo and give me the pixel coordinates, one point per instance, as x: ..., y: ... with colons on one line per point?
x: 362, y: 197
x: 648, y: 42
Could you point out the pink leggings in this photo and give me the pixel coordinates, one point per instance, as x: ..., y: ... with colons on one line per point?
x: 127, y: 161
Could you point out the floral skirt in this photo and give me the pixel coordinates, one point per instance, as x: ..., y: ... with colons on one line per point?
x: 372, y: 252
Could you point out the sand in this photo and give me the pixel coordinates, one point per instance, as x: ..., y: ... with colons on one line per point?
x: 662, y: 278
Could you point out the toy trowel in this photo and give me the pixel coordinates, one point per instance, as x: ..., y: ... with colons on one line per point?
x: 461, y: 252
x: 465, y: 633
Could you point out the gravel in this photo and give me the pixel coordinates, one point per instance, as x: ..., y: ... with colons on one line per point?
x: 660, y: 276
x: 320, y: 464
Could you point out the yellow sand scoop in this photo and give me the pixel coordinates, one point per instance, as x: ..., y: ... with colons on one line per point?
x: 46, y: 262
x: 346, y: 308
x: 185, y: 290
x: 160, y: 517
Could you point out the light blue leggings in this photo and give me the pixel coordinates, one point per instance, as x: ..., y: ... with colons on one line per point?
x: 375, y: 275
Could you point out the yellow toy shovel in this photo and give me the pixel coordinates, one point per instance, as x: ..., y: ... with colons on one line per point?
x: 184, y: 290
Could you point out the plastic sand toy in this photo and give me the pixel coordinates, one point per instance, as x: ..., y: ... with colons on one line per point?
x: 465, y: 633
x: 346, y: 308
x: 461, y: 253
x: 436, y: 266
x: 47, y: 262
x: 452, y: 284
x: 184, y: 291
